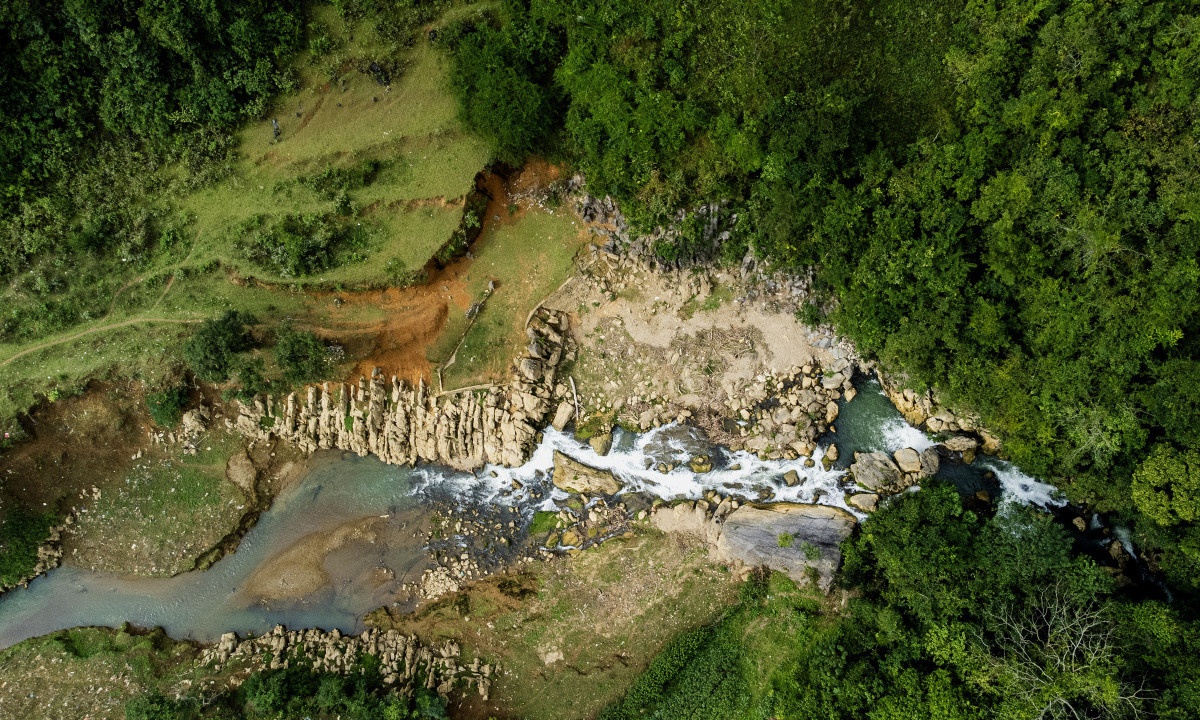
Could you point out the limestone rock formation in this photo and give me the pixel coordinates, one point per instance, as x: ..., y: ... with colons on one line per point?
x: 792, y: 538
x: 403, y: 425
x: 751, y: 535
x: 405, y: 663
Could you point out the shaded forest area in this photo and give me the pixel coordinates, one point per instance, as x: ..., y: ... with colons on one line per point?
x: 100, y: 95
x: 999, y: 198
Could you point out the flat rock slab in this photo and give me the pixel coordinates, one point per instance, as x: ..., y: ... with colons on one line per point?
x: 573, y: 476
x: 751, y: 535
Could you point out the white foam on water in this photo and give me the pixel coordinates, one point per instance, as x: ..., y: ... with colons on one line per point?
x: 1017, y: 487
x: 669, y: 443
x: 898, y: 434
x: 1126, y: 538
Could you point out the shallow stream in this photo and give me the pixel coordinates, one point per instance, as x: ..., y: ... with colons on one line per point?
x: 337, y: 544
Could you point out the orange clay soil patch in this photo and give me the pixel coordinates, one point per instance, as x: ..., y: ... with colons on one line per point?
x: 414, y: 317
x: 535, y: 175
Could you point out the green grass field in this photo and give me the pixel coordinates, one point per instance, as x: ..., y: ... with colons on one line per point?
x: 529, y: 257
x: 410, y: 127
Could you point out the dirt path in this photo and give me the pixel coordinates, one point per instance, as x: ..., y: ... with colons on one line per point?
x: 174, y: 272
x: 102, y: 328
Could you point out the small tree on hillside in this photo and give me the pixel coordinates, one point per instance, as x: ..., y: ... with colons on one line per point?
x: 301, y: 356
x: 212, y: 350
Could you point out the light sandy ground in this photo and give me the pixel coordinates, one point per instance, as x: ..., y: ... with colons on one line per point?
x: 663, y: 339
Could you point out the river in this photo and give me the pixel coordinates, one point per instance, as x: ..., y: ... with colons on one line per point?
x: 338, y: 543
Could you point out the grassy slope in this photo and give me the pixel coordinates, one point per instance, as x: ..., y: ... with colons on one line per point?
x: 410, y: 209
x: 529, y: 257
x: 169, y: 510
x: 592, y: 625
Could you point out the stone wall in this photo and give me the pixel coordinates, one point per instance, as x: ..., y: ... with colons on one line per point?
x: 405, y: 425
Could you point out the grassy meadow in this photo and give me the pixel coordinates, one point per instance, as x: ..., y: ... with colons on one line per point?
x: 528, y: 256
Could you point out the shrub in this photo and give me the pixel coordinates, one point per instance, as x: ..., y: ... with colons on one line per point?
x: 157, y: 707
x: 20, y: 535
x: 302, y: 357
x: 211, y: 352
x: 166, y: 406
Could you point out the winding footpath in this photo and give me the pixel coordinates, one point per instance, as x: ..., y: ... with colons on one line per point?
x: 92, y: 331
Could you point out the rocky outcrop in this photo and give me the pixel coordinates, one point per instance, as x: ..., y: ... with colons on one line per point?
x: 887, y: 474
x: 573, y: 476
x: 405, y: 425
x: 924, y: 410
x: 802, y: 541
x: 405, y: 663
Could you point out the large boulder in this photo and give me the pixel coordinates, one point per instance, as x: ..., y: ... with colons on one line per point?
x: 875, y: 471
x: 601, y: 443
x: 563, y: 415
x: 930, y: 463
x: 788, y: 537
x: 908, y: 460
x: 867, y: 502
x: 573, y: 476
x: 961, y: 443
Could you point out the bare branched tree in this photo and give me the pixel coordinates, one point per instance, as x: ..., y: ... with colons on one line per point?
x: 1053, y: 657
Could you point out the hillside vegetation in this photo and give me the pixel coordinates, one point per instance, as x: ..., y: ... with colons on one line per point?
x: 143, y: 173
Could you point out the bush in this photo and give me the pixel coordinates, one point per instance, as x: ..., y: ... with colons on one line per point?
x: 302, y: 357
x: 166, y: 407
x: 212, y: 351
x: 503, y: 77
x: 251, y: 379
x: 158, y: 707
x: 21, y: 533
x: 300, y: 245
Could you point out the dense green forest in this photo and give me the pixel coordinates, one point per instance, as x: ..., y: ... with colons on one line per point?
x: 999, y: 198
